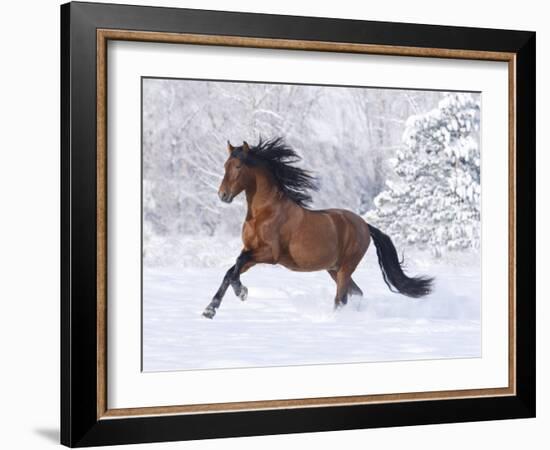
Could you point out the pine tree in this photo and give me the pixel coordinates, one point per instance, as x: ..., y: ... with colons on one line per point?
x: 434, y: 203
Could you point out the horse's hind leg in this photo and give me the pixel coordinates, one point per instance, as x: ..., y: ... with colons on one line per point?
x: 343, y: 278
x: 353, y: 289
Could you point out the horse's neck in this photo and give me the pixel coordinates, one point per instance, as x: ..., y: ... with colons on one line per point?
x: 261, y: 194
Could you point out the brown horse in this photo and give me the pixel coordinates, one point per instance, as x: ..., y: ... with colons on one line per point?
x: 280, y: 229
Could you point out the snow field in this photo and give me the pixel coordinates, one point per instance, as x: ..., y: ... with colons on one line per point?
x: 288, y: 318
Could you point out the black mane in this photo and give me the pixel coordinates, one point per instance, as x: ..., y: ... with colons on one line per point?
x: 278, y: 158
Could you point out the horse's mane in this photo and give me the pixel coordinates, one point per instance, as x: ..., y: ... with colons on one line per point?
x: 278, y: 158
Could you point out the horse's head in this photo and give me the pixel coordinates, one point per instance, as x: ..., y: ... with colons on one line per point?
x: 237, y: 174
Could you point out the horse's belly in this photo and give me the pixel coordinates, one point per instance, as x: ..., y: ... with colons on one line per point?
x: 305, y: 265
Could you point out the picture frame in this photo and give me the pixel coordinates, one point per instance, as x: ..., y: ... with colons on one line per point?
x: 86, y: 418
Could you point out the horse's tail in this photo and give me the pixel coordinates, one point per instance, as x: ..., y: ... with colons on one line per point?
x: 391, y: 268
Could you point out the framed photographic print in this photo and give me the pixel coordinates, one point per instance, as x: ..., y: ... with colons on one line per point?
x: 276, y: 224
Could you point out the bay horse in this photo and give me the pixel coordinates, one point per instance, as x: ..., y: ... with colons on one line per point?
x: 279, y: 227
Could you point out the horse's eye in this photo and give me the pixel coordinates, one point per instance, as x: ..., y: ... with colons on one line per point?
x: 238, y: 167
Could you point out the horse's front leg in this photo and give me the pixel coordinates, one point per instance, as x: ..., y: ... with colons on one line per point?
x: 231, y: 278
x: 243, y: 263
x: 210, y: 310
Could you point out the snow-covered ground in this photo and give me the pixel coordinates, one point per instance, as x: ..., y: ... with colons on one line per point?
x: 288, y: 318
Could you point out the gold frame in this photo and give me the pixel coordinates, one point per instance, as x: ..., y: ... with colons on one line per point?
x: 103, y: 36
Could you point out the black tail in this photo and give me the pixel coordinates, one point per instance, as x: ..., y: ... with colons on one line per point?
x: 391, y: 268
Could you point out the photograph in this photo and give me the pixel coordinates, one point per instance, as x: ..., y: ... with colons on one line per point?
x: 300, y: 224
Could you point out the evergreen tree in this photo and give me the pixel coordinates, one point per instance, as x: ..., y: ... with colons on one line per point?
x: 434, y: 201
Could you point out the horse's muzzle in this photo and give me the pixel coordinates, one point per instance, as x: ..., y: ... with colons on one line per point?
x: 225, y: 197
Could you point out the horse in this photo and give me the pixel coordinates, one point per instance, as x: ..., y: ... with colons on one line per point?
x: 279, y: 227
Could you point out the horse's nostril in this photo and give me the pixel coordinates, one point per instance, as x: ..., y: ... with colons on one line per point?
x: 225, y: 197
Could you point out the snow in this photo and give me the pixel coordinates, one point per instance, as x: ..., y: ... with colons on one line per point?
x: 288, y: 318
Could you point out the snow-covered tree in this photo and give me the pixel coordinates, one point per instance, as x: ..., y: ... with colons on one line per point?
x: 434, y: 200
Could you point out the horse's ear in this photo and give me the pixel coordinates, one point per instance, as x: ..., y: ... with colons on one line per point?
x: 230, y: 148
x: 246, y: 148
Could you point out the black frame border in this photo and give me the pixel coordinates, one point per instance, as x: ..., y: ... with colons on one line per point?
x: 79, y: 423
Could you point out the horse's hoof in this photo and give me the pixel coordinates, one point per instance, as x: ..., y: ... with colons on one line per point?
x: 243, y: 295
x: 209, y: 312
